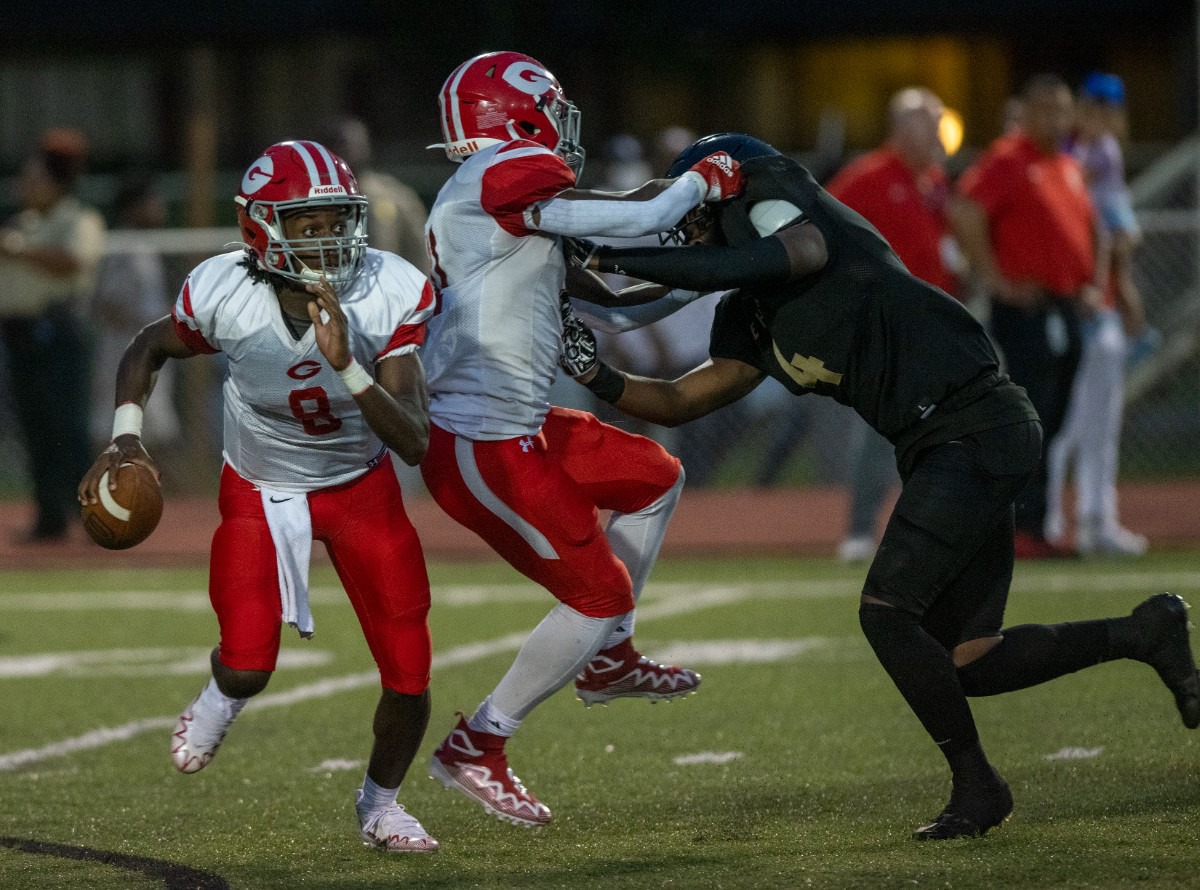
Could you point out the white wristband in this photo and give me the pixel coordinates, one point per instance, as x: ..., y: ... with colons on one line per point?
x: 127, y: 420
x: 357, y: 380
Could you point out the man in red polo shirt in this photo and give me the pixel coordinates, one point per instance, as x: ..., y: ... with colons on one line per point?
x: 901, y: 189
x: 1026, y: 223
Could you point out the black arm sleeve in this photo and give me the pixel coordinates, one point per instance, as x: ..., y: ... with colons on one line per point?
x: 701, y: 266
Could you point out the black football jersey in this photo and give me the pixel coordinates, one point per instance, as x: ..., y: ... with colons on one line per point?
x: 863, y: 330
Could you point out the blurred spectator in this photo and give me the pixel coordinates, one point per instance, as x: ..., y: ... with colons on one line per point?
x: 1014, y: 111
x: 901, y: 189
x: 1025, y: 222
x: 131, y: 292
x: 396, y: 220
x: 1091, y: 434
x: 48, y: 257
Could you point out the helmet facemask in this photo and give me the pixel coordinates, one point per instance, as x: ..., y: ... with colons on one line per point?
x: 567, y: 121
x: 302, y: 260
x: 698, y: 226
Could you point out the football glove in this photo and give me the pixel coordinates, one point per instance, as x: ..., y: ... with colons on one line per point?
x: 579, y: 343
x: 721, y: 174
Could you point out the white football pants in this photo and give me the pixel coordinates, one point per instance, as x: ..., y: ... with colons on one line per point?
x: 1091, y: 433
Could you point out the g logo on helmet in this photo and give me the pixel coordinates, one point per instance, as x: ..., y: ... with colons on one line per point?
x: 528, y: 78
x: 258, y: 175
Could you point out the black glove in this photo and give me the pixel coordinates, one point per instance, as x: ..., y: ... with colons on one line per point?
x: 579, y: 343
x: 578, y: 251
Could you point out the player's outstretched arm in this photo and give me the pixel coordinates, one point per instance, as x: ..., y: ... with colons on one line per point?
x: 713, y: 385
x: 654, y: 207
x: 136, y: 374
x: 701, y: 391
x: 787, y: 255
x: 394, y: 403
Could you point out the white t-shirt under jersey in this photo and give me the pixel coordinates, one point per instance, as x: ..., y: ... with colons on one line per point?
x: 290, y: 422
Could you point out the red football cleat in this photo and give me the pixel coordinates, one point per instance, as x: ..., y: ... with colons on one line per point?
x: 474, y: 763
x: 623, y: 672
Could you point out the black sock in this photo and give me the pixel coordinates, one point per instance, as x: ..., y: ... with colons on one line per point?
x: 1034, y: 653
x: 924, y: 673
x: 971, y: 769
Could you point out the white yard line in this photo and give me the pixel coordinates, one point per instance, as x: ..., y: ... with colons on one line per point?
x: 1126, y: 577
x: 98, y: 738
x: 660, y: 601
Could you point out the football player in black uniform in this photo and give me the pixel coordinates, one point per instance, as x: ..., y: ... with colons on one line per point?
x: 822, y: 304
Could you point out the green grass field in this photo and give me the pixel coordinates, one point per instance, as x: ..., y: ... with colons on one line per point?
x: 797, y: 765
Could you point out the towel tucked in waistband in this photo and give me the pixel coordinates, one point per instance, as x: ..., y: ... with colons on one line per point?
x: 291, y: 531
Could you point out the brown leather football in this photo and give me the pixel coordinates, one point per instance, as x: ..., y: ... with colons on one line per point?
x: 126, y: 515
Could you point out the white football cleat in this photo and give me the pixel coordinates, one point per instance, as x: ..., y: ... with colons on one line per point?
x: 198, y: 734
x: 1094, y: 540
x: 857, y: 548
x: 393, y: 829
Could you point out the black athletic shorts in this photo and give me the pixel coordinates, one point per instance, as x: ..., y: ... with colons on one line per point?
x: 947, y: 553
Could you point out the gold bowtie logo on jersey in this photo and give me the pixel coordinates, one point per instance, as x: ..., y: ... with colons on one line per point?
x: 806, y: 370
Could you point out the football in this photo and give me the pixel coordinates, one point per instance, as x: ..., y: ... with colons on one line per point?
x: 126, y: 515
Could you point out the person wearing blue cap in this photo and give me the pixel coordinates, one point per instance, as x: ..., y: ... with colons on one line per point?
x: 1090, y: 436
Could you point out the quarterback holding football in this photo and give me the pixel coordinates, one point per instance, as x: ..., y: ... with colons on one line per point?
x: 321, y: 334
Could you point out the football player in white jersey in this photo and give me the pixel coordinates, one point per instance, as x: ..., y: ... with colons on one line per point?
x: 321, y: 334
x: 527, y: 477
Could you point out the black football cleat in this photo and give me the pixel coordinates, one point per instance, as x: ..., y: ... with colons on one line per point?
x: 970, y: 813
x: 1164, y: 624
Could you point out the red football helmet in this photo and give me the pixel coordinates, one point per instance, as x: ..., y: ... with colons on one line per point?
x: 502, y: 96
x: 301, y: 175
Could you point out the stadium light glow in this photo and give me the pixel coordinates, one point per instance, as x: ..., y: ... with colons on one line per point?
x: 950, y: 131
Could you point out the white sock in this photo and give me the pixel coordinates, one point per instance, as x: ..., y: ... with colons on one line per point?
x: 636, y: 538
x: 491, y: 719
x: 374, y: 798
x: 213, y: 712
x: 555, y: 652
x: 622, y: 632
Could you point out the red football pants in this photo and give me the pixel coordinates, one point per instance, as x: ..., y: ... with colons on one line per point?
x: 536, y: 500
x: 374, y: 549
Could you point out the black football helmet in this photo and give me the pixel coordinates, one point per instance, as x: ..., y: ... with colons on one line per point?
x: 738, y: 146
x: 702, y: 218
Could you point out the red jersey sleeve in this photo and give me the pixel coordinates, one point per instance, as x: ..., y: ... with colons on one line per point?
x: 522, y: 174
x: 187, y: 325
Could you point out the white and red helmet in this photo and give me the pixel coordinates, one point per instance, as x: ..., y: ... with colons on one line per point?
x: 501, y: 96
x: 295, y: 176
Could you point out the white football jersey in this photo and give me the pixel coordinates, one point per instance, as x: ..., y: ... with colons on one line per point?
x: 493, y: 346
x: 290, y: 422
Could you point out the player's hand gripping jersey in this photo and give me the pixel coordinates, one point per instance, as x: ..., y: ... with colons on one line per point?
x: 498, y: 269
x: 290, y: 422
